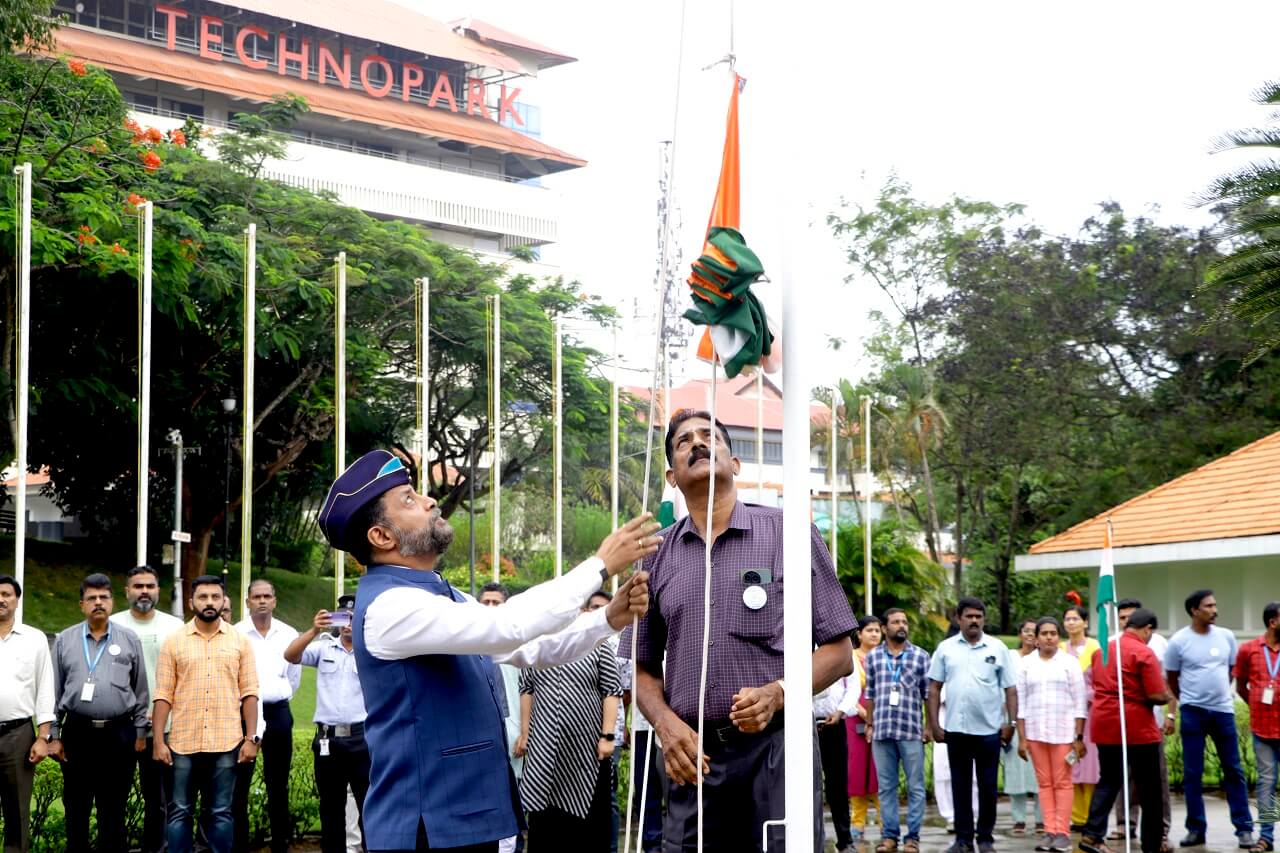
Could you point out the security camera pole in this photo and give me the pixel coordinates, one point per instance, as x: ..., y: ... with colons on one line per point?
x: 175, y: 438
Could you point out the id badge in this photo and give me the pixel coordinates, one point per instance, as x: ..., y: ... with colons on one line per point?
x: 1268, y: 695
x: 86, y: 692
x: 324, y: 747
x: 894, y: 698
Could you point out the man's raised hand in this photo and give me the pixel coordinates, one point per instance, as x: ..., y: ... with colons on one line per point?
x: 632, y: 601
x: 633, y: 541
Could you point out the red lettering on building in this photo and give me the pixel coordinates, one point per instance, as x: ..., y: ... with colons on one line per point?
x: 326, y: 61
x: 243, y: 55
x: 171, y: 23
x: 507, y: 106
x: 443, y: 92
x: 411, y: 77
x: 476, y: 97
x: 367, y: 63
x: 284, y: 56
x: 208, y: 38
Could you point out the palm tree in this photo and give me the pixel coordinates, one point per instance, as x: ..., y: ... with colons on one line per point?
x: 919, y: 420
x: 1249, y: 198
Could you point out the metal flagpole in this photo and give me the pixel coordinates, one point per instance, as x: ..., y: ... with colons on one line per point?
x: 797, y: 605
x: 23, y: 389
x: 835, y: 483
x: 1124, y: 734
x: 613, y: 449
x: 340, y: 400
x: 760, y: 436
x: 709, y: 536
x: 866, y: 516
x: 557, y: 439
x: 495, y: 467
x: 144, y: 385
x: 250, y: 352
x: 424, y: 383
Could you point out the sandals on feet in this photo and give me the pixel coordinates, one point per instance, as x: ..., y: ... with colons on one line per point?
x: 886, y: 845
x: 911, y: 846
x: 1262, y: 845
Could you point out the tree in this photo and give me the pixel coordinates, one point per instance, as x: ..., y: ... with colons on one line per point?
x: 93, y: 168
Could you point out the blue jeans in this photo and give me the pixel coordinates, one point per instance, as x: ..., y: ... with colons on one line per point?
x: 1198, y: 724
x: 888, y: 754
x: 1267, y: 753
x: 212, y: 775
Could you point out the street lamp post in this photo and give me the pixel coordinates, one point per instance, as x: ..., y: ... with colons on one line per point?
x: 228, y: 409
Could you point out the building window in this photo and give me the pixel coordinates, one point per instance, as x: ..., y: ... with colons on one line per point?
x: 184, y: 108
x: 140, y: 100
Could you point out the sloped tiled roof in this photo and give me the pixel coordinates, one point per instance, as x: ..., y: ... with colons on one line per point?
x: 1237, y: 495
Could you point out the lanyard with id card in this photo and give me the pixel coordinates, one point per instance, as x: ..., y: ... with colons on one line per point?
x: 895, y: 693
x: 1273, y: 669
x: 86, y: 692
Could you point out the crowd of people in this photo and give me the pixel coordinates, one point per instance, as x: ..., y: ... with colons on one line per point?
x: 446, y: 722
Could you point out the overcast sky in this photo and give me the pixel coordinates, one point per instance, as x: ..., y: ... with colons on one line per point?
x: 1055, y: 105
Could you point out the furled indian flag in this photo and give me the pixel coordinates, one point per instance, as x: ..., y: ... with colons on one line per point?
x: 673, y: 507
x: 738, y: 333
x: 1106, y: 589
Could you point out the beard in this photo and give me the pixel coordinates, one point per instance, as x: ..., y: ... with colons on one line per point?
x: 142, y: 605
x: 901, y: 635
x: 434, y: 538
x: 208, y: 615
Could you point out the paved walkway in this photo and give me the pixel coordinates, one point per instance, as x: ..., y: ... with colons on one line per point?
x: 935, y: 839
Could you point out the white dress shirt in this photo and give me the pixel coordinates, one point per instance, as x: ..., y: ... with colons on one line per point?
x: 409, y: 621
x: 26, y: 676
x: 842, y: 695
x: 277, y: 678
x: 339, y: 700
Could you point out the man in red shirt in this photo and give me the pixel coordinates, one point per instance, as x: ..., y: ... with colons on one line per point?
x: 1144, y: 686
x: 1257, y: 675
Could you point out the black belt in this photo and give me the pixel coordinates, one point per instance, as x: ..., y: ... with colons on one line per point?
x: 276, y: 703
x: 340, y: 730
x: 9, y: 725
x: 114, y: 722
x: 724, y: 732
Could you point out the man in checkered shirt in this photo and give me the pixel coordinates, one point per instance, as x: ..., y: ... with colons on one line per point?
x: 897, y: 688
x: 743, y: 765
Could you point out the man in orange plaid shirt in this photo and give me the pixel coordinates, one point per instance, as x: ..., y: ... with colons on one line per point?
x: 207, y: 681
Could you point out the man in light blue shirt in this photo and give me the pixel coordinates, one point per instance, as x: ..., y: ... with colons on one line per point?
x: 1198, y: 665
x: 982, y: 702
x: 341, y: 755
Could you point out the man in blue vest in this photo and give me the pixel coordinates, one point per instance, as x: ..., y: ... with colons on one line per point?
x: 437, y: 744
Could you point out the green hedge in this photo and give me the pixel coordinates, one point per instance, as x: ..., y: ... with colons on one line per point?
x: 48, y: 825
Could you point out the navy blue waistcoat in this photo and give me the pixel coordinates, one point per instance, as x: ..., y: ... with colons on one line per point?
x: 437, y: 741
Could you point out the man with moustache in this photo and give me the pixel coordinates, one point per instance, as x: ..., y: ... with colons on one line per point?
x: 100, y: 681
x: 1198, y: 663
x: 153, y: 626
x: 423, y: 650
x: 742, y: 769
x: 206, y: 680
x: 341, y: 754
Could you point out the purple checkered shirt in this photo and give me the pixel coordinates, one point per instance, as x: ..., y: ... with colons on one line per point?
x: 746, y: 644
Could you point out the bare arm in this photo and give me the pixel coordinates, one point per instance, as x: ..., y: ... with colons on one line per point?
x: 159, y: 717
x: 679, y: 742
x: 831, y: 661
x: 526, y: 713
x: 931, y: 707
x: 1173, y: 687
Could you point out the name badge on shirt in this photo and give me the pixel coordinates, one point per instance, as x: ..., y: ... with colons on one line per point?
x: 894, y: 697
x: 1268, y: 695
x: 86, y: 692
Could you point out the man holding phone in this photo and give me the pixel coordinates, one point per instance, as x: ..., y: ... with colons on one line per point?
x: 340, y: 752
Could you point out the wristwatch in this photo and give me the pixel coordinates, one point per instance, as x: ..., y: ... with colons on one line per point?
x: 609, y: 736
x: 257, y: 740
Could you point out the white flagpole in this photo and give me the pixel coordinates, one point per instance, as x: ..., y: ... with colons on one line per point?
x: 23, y: 390
x: 760, y: 436
x: 866, y: 516
x: 708, y: 535
x: 144, y: 386
x: 495, y: 469
x: 797, y: 605
x: 835, y: 483
x: 1124, y: 733
x: 557, y: 439
x: 340, y: 400
x: 613, y: 448
x: 424, y: 385
x: 250, y: 352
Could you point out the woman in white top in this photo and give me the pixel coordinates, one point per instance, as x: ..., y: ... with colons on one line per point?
x: 1051, y: 715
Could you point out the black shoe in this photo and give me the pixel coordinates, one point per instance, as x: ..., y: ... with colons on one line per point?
x: 986, y: 847
x: 959, y: 847
x: 1192, y: 839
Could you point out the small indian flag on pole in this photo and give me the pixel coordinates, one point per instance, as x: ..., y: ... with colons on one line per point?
x: 673, y: 507
x: 1106, y: 590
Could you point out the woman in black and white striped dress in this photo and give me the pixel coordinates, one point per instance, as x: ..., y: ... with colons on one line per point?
x: 567, y: 716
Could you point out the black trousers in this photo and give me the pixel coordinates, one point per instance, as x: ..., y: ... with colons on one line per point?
x: 742, y: 791
x: 554, y: 829
x: 833, y: 748
x: 277, y: 755
x: 98, y: 769
x: 156, y: 780
x: 17, y: 775
x: 346, y: 764
x: 968, y: 753
x: 1144, y: 763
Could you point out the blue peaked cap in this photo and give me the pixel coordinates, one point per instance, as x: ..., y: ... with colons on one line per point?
x: 367, y: 479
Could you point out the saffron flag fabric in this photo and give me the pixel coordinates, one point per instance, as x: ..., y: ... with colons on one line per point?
x: 738, y: 331
x: 1106, y: 591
